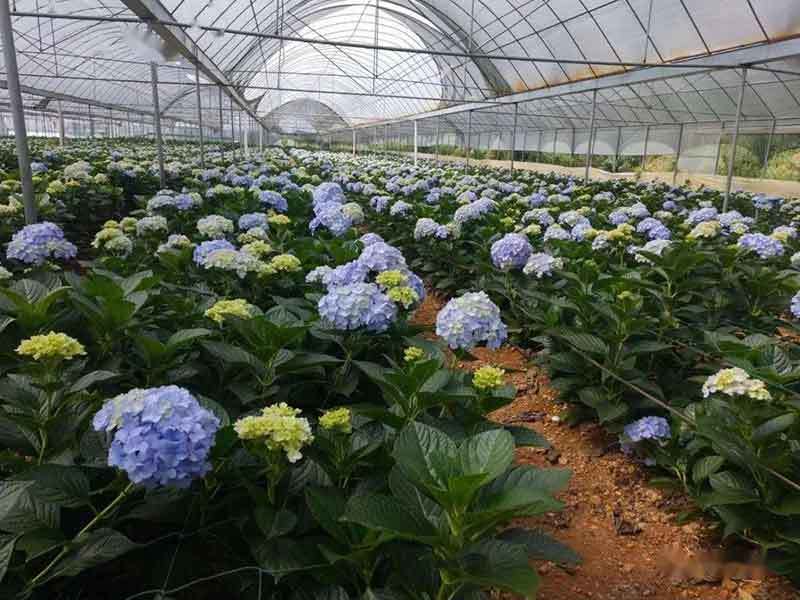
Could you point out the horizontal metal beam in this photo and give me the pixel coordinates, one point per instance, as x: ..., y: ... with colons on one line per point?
x: 161, y: 18
x: 53, y: 95
x: 760, y: 54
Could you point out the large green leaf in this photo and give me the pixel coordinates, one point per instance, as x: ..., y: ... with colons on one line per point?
x: 283, y: 556
x: 57, y: 484
x: 328, y: 504
x: 92, y: 549
x: 773, y: 426
x: 499, y: 564
x: 385, y: 513
x: 90, y: 379
x: 7, y: 543
x: 585, y: 342
x: 426, y: 455
x: 489, y: 453
x: 274, y: 522
x: 541, y: 546
x: 706, y: 466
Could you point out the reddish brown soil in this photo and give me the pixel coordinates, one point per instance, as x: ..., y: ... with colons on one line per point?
x: 626, y: 531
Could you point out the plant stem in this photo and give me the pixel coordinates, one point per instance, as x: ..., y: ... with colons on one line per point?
x: 114, y: 503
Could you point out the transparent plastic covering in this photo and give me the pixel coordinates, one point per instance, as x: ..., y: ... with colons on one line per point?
x: 256, y: 54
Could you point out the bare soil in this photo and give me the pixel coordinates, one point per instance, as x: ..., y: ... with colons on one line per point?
x: 627, y: 532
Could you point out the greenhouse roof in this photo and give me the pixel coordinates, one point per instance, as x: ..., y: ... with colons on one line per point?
x: 317, y: 66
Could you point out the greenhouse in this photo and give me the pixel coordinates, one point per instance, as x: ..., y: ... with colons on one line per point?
x: 400, y: 299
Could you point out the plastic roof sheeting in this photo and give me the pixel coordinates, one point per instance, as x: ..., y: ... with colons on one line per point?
x: 107, y: 63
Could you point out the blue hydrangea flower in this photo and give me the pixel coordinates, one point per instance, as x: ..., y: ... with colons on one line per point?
x: 328, y: 192
x: 38, y: 167
x: 701, y: 215
x: 556, y: 232
x: 442, y: 232
x: 536, y: 199
x: 162, y: 436
x: 274, y: 200
x: 763, y: 202
x: 540, y: 215
x: 35, y: 244
x: 202, y: 251
x: 400, y: 208
x: 379, y: 203
x: 424, y: 228
x: 250, y: 220
x: 795, y: 305
x: 382, y: 257
x: 511, y: 251
x: 350, y: 307
x: 332, y: 217
x: 473, y: 210
x: 619, y: 216
x: 542, y: 264
x: 346, y: 274
x: 433, y: 197
x: 370, y: 238
x: 763, y: 245
x: 468, y: 320
x: 648, y: 428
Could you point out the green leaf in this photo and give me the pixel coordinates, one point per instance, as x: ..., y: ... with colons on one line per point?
x: 88, y: 380
x: 647, y: 347
x: 773, y: 426
x: 541, y: 546
x: 489, y: 453
x: 234, y: 355
x: 706, y: 466
x: 186, y: 336
x: 498, y: 564
x: 377, y: 511
x: 57, y: 484
x: 729, y: 488
x: 524, y: 490
x: 425, y: 455
x: 328, y: 504
x: 92, y: 549
x: 525, y: 436
x: 7, y: 544
x: 274, y: 522
x: 585, y: 342
x: 283, y: 556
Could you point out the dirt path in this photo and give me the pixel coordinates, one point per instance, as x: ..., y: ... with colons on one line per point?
x: 625, y: 530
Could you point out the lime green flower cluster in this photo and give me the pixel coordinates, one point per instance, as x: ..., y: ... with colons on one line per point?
x: 52, y: 346
x: 337, y: 420
x: 287, y: 263
x: 13, y: 207
x: 128, y: 224
x: 405, y: 296
x: 279, y: 428
x: 706, y: 229
x: 413, y: 354
x: 279, y: 220
x: 230, y: 308
x: 488, y: 378
x: 257, y: 248
x: 393, y: 278
x: 54, y: 188
x: 5, y: 274
x: 106, y: 234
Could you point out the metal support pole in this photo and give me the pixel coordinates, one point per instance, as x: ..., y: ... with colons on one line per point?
x: 769, y: 147
x: 243, y: 135
x: 61, y: 129
x: 416, y: 143
x: 91, y: 119
x: 591, y: 136
x: 514, y: 135
x: 17, y: 112
x: 644, y: 149
x: 616, y: 149
x: 260, y: 138
x: 436, y: 147
x: 200, y: 116
x: 233, y: 128
x: 677, y: 154
x: 469, y: 139
x: 157, y: 122
x: 221, y: 124
x: 732, y: 160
